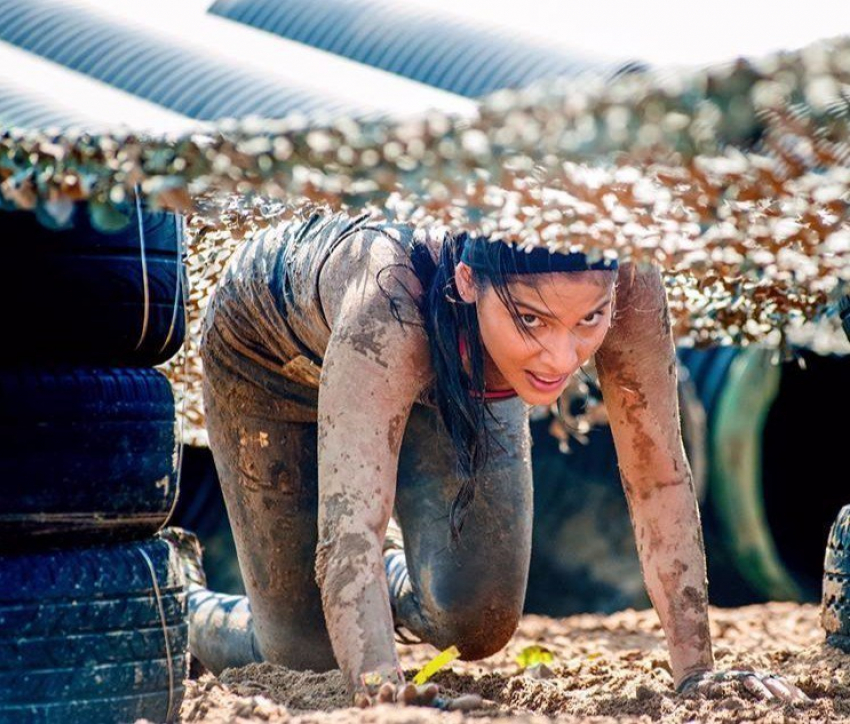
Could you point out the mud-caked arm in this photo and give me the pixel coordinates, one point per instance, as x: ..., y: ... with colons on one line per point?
x: 373, y: 371
x: 637, y: 371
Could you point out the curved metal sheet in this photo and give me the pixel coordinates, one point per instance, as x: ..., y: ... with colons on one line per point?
x: 186, y: 78
x: 445, y: 52
x: 290, y: 63
x: 19, y: 107
x: 42, y: 94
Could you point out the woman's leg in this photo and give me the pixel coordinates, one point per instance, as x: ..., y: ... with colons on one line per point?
x: 470, y: 594
x: 267, y: 467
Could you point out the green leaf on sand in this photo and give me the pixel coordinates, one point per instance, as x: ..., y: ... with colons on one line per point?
x: 533, y: 655
x: 444, y: 658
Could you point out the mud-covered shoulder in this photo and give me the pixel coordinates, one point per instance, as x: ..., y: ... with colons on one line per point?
x: 371, y: 298
x: 372, y: 264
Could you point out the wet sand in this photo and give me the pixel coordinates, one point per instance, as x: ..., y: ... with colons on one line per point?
x: 606, y: 668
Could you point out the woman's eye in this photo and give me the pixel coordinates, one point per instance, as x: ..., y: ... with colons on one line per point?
x: 530, y: 320
x: 591, y: 320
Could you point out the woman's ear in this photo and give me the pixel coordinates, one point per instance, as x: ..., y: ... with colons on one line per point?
x: 465, y: 283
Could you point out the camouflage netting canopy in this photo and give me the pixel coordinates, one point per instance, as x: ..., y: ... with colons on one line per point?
x: 735, y: 179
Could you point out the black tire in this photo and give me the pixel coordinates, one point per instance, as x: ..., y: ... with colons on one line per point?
x: 707, y: 370
x: 839, y: 642
x: 835, y: 603
x: 79, y: 295
x: 86, y: 456
x: 578, y: 497
x: 124, y: 662
x: 124, y: 645
x: 835, y: 606
x: 838, y: 544
x: 109, y: 710
x: 50, y: 685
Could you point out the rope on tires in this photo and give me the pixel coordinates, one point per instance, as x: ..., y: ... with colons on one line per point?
x: 184, y: 292
x: 179, y: 287
x: 179, y: 292
x: 168, y: 658
x: 146, y: 317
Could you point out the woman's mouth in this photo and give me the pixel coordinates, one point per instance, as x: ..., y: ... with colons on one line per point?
x: 545, y: 383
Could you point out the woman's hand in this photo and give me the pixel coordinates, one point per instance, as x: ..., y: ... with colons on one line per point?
x: 764, y: 686
x: 377, y: 690
x: 390, y: 693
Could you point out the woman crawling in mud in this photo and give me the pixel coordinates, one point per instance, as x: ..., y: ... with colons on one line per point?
x: 357, y: 371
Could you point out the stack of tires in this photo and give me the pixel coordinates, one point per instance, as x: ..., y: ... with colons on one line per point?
x: 92, y: 605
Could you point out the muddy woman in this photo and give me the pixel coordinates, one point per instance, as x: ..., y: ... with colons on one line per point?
x: 358, y: 372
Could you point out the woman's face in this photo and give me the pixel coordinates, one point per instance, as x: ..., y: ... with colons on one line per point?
x: 565, y: 316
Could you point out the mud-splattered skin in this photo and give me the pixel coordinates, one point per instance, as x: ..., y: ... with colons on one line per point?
x: 470, y: 596
x: 311, y: 465
x: 375, y: 448
x: 637, y: 371
x: 387, y: 364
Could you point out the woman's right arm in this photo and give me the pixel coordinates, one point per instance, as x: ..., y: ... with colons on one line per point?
x: 374, y: 370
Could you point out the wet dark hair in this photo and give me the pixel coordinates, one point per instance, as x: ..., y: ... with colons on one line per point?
x: 460, y: 395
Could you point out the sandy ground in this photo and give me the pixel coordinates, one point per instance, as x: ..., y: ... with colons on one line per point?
x: 606, y: 668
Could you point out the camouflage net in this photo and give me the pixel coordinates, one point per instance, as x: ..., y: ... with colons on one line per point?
x: 735, y: 179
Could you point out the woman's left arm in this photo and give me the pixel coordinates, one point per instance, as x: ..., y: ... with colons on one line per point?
x: 637, y: 371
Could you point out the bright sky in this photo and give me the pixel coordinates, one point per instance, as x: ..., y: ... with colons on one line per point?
x: 665, y: 31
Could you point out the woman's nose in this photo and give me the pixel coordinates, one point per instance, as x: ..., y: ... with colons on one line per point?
x: 560, y: 355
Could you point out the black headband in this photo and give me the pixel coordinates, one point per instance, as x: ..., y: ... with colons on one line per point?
x: 488, y: 255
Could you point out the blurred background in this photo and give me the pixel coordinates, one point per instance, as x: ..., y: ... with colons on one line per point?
x: 765, y: 440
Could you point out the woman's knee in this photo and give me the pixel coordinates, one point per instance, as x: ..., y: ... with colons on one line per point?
x: 476, y: 632
x: 478, y: 612
x: 298, y: 648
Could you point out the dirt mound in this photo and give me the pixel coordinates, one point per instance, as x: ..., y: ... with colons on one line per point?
x: 606, y: 669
